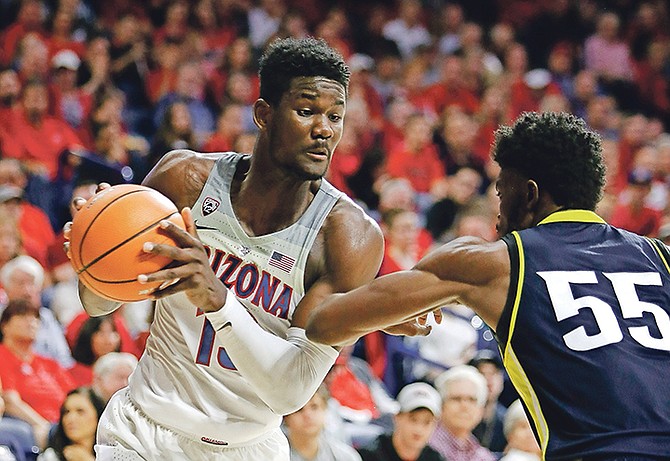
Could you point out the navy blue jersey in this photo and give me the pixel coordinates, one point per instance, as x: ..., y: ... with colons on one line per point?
x: 585, y: 336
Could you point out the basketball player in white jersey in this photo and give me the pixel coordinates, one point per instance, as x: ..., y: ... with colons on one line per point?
x: 266, y: 240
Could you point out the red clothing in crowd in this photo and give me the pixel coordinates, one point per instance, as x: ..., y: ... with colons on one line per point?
x: 40, y: 144
x: 36, y: 232
x: 443, y: 97
x: 127, y: 342
x: 645, y: 221
x: 41, y: 382
x: 82, y: 375
x: 422, y: 168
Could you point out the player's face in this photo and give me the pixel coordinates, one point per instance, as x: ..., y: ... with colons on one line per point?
x: 512, y: 191
x: 307, y: 125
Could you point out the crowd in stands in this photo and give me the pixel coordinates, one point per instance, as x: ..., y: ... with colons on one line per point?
x: 94, y: 90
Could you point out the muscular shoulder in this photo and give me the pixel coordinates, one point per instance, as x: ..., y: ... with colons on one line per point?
x: 353, y: 243
x: 181, y: 174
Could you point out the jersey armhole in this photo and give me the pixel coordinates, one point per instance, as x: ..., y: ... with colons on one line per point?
x: 502, y: 329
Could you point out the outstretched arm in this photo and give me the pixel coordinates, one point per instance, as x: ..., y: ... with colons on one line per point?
x: 284, y: 371
x: 468, y: 271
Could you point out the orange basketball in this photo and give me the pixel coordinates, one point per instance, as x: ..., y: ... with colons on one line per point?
x: 107, y: 236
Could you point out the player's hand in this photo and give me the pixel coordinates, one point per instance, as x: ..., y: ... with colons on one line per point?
x: 190, y: 271
x: 75, y: 205
x: 415, y: 327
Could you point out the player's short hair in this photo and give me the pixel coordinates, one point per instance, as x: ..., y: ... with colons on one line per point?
x: 286, y: 59
x: 559, y: 152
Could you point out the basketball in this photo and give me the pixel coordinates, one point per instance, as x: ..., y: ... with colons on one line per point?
x: 107, y: 236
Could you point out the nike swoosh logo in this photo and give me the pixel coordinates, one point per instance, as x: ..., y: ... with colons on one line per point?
x: 198, y: 226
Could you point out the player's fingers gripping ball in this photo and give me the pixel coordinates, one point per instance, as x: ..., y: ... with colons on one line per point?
x: 107, y: 236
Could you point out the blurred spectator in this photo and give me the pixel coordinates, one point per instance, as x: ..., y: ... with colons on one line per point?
x: 601, y: 116
x: 522, y: 445
x: 34, y: 386
x: 652, y: 81
x: 32, y: 58
x: 606, y: 54
x: 413, y: 425
x: 362, y: 399
x: 17, y: 441
x: 462, y: 189
x: 489, y: 431
x: 30, y: 18
x: 407, y: 29
x: 22, y: 279
x: 111, y: 373
x: 190, y: 90
x: 456, y: 143
x: 416, y: 158
x: 10, y: 90
x: 93, y: 74
x: 33, y: 223
x: 463, y: 391
x: 585, y: 89
x: 228, y: 128
x: 174, y: 132
x: 61, y: 37
x: 96, y: 338
x: 175, y: 25
x: 264, y: 21
x: 451, y: 22
x: 632, y: 213
x: 128, y: 53
x: 450, y: 89
x: 555, y: 23
x: 306, y: 433
x: 38, y: 139
x: 10, y: 239
x: 73, y: 437
x: 162, y: 78
x: 71, y: 103
x: 120, y: 326
x: 403, y: 243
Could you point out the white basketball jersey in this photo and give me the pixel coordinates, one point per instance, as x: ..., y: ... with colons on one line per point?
x: 185, y: 380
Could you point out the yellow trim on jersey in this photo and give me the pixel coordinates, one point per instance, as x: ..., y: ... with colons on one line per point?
x: 573, y: 216
x: 660, y: 253
x: 515, y: 370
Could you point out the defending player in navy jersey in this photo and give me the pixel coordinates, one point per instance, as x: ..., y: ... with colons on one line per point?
x: 266, y: 240
x: 581, y: 309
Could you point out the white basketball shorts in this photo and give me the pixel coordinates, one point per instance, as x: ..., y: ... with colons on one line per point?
x: 125, y: 433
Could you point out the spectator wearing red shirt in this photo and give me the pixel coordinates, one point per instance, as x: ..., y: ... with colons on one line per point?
x: 128, y: 344
x: 38, y: 139
x: 417, y: 158
x: 96, y: 338
x: 34, y: 225
x: 229, y: 126
x: 34, y: 387
x: 30, y: 19
x: 451, y: 90
x: 631, y: 213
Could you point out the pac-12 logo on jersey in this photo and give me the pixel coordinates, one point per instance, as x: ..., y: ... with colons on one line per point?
x: 209, y: 205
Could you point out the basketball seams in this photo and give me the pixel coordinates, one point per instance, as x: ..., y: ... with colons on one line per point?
x: 119, y: 245
x: 111, y: 234
x: 90, y: 225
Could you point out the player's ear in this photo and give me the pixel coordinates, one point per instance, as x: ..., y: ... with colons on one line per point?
x: 532, y: 194
x: 262, y: 112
